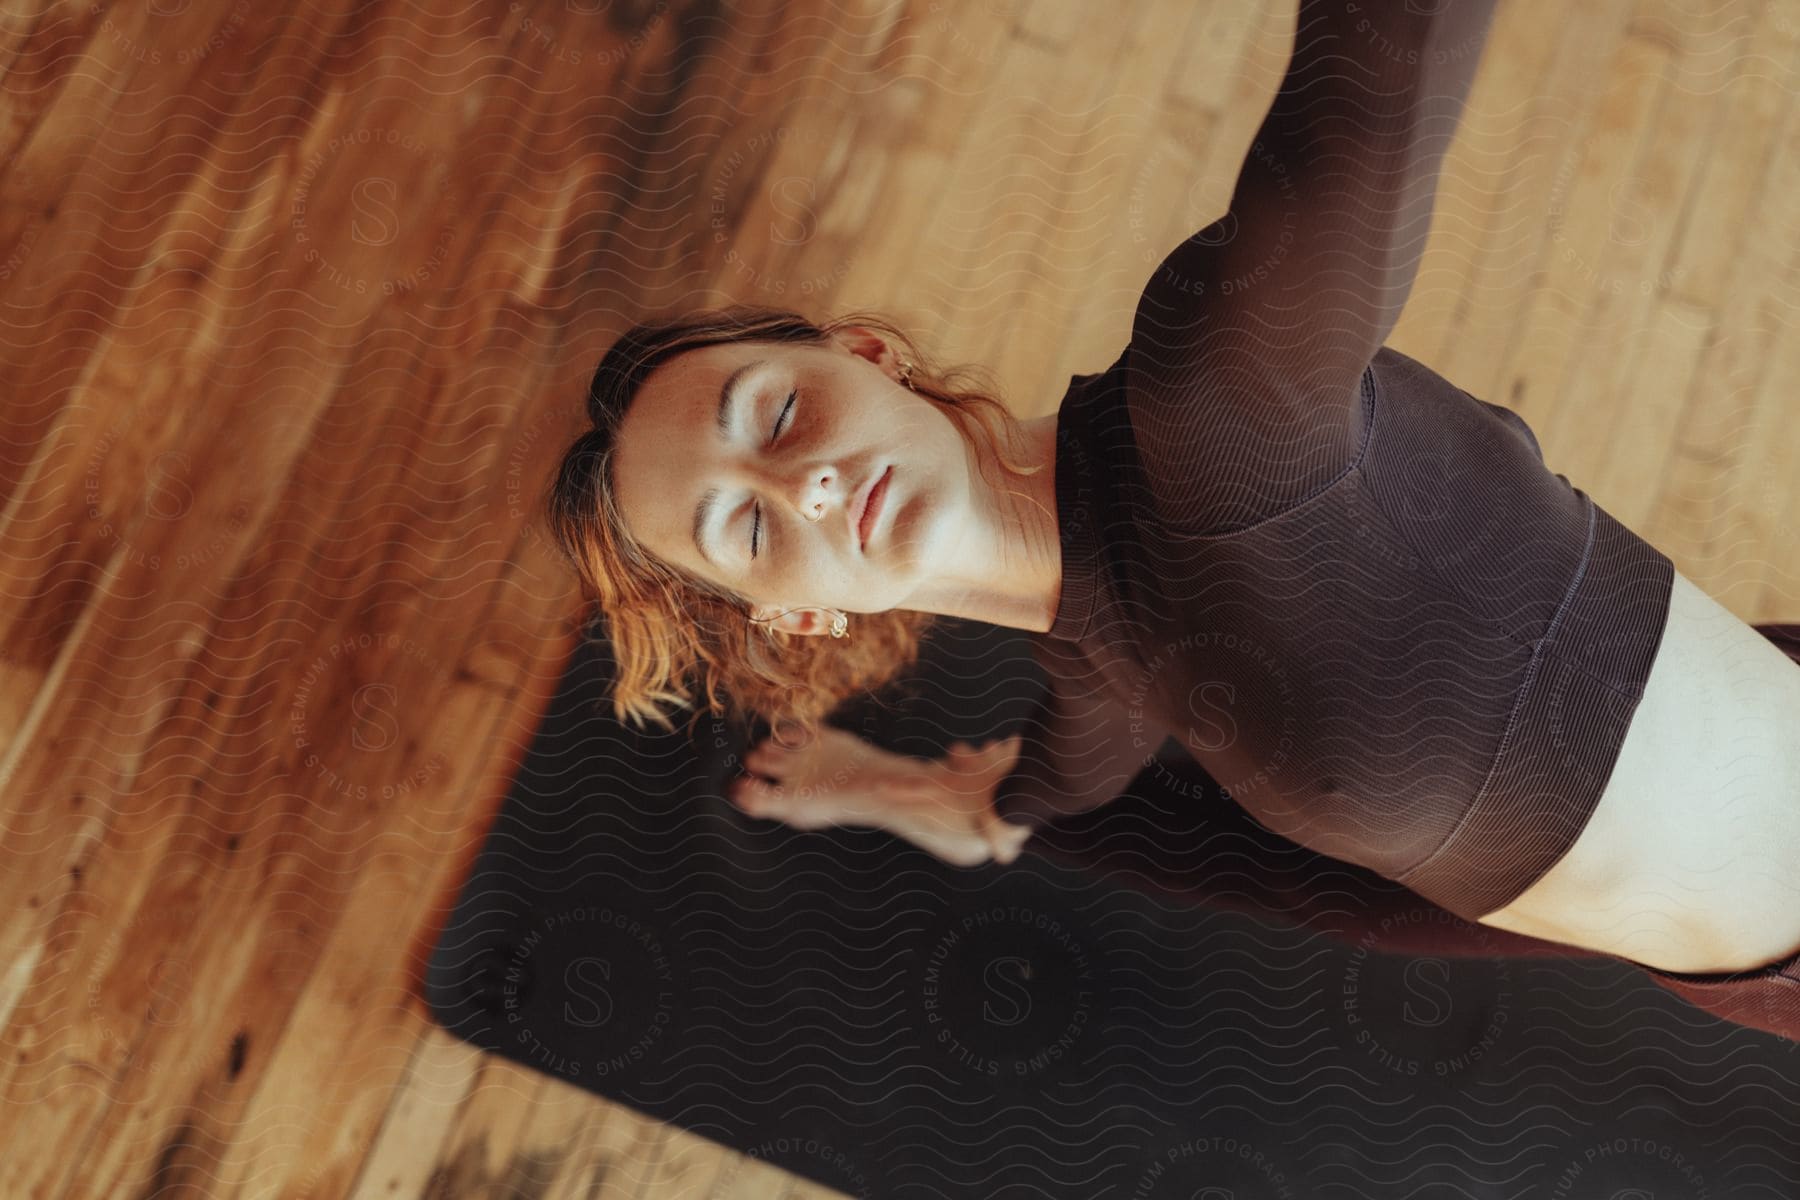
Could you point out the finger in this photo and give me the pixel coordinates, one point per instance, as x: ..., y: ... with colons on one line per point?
x: 1001, y: 749
x: 738, y: 792
x: 769, y: 758
x: 760, y: 799
x: 1007, y: 838
x: 958, y: 852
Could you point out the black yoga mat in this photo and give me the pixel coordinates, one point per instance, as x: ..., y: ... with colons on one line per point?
x: 849, y: 1009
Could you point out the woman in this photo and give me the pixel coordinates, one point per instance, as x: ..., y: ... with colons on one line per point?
x: 1351, y: 591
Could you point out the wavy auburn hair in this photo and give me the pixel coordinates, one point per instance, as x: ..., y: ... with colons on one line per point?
x: 668, y: 626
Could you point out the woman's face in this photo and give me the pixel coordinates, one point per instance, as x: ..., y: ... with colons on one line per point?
x: 807, y: 431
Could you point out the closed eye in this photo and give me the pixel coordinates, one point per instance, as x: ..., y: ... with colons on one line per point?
x: 756, y: 519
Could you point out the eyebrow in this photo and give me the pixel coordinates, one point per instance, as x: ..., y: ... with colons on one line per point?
x: 703, y: 511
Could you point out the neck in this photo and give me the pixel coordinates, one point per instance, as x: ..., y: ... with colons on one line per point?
x: 1011, y: 571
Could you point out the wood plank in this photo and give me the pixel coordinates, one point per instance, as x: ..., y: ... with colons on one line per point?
x: 1555, y: 103
x: 1719, y: 218
x: 1107, y: 188
x: 435, y: 1135
x: 1640, y: 358
x: 1726, y: 431
x: 1217, y: 42
x: 1484, y: 195
x: 1733, y: 517
x: 1557, y: 319
x: 1665, y: 358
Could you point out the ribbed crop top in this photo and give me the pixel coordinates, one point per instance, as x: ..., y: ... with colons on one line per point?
x: 1351, y: 591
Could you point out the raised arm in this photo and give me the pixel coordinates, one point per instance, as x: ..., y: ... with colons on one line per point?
x: 1272, y: 312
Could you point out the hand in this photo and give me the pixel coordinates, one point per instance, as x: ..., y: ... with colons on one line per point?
x: 946, y: 807
x: 836, y: 778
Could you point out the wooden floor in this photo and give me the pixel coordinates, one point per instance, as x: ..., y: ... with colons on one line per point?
x: 299, y: 304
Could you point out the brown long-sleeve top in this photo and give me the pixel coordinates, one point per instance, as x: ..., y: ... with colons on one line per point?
x: 1351, y: 591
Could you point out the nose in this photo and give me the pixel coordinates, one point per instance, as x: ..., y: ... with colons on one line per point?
x: 817, y: 486
x: 809, y: 488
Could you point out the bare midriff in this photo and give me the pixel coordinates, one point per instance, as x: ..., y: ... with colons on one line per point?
x: 1690, y: 861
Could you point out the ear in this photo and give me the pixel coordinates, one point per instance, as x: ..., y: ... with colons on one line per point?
x: 809, y: 622
x: 866, y: 343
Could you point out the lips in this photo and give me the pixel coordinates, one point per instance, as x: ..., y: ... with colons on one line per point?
x: 868, y: 508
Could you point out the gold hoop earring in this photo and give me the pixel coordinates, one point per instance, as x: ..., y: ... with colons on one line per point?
x: 840, y: 626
